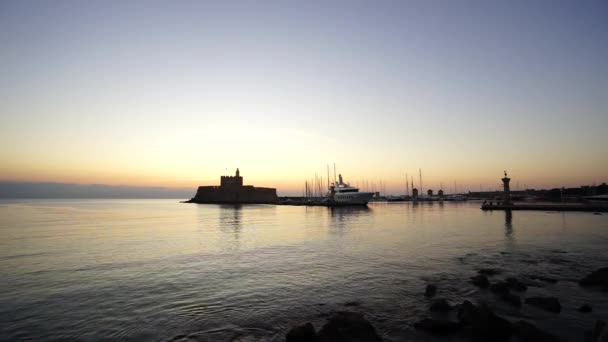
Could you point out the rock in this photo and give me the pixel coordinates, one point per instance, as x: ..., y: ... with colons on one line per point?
x: 585, y: 308
x: 480, y: 280
x: 546, y: 303
x: 599, y: 333
x: 353, y: 303
x: 467, y: 312
x: 596, y: 278
x: 489, y: 271
x: 528, y: 332
x: 500, y: 288
x: 441, y: 305
x: 436, y: 326
x: 597, y: 213
x: 512, y: 299
x: 430, y: 290
x: 482, y: 324
x: 302, y: 333
x: 543, y: 278
x: 348, y: 327
x: 515, y: 284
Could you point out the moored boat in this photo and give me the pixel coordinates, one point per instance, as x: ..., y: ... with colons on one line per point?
x: 344, y: 194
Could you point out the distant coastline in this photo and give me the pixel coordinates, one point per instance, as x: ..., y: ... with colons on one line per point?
x: 24, y: 190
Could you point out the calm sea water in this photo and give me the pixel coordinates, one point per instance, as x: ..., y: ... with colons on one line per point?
x: 161, y: 270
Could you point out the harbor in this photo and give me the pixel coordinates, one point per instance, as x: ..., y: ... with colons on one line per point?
x: 341, y: 193
x: 506, y: 203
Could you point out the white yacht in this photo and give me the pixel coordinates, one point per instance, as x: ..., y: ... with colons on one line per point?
x: 344, y: 194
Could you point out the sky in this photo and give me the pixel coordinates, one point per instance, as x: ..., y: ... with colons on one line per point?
x: 177, y: 93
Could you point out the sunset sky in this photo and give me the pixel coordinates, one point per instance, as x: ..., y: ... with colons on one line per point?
x: 178, y: 93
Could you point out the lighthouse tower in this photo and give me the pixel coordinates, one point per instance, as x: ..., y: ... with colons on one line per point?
x: 506, y: 199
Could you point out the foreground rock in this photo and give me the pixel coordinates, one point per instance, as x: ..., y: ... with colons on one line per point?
x: 441, y: 305
x: 596, y: 278
x: 599, y: 333
x: 481, y: 323
x: 500, y: 288
x: 543, y: 278
x: 430, y: 290
x: 585, y: 308
x: 302, y: 333
x: 480, y: 280
x: 546, y: 303
x: 489, y: 271
x: 528, y: 332
x: 515, y: 284
x: 512, y: 299
x: 437, y: 326
x: 347, y: 327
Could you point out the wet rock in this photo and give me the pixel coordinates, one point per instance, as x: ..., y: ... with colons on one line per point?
x: 480, y: 280
x: 489, y: 271
x: 533, y: 283
x: 515, y: 284
x: 543, y: 278
x: 441, y: 305
x: 353, y: 303
x: 430, y: 290
x: 546, y: 303
x: 467, y: 312
x: 596, y: 278
x: 512, y: 299
x: 481, y: 323
x: 528, y: 332
x: 599, y: 333
x: 585, y: 308
x: 347, y: 327
x: 500, y: 287
x: 436, y: 326
x: 597, y: 213
x: 302, y: 333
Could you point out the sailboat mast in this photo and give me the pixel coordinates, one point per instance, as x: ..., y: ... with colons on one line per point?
x: 420, y: 171
x: 334, y: 173
x: 327, y: 176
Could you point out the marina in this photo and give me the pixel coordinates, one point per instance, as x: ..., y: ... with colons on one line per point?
x: 506, y: 203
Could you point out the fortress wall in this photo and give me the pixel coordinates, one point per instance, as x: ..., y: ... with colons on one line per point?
x: 245, y: 194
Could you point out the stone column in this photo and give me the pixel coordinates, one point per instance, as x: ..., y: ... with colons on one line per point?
x: 506, y: 199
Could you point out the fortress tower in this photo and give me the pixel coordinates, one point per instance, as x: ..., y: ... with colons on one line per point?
x: 235, y: 181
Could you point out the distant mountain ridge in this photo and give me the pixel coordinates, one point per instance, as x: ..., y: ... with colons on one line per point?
x: 9, y: 189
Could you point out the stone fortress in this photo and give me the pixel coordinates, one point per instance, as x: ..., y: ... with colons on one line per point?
x: 232, y: 191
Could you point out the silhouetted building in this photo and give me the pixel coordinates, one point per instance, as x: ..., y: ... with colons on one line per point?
x: 415, y: 193
x: 506, y: 197
x: 232, y: 191
x: 430, y: 192
x: 440, y: 193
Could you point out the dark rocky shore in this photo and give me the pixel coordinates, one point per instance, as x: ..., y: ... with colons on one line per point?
x: 467, y: 321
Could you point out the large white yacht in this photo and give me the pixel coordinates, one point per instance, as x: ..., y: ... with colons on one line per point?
x: 344, y: 194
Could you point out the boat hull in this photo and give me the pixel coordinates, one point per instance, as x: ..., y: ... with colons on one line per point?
x: 351, y: 198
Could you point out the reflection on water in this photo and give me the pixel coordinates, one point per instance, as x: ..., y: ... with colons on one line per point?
x: 508, y: 223
x: 229, y: 222
x: 157, y: 269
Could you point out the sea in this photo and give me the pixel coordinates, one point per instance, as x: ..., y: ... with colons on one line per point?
x: 161, y: 270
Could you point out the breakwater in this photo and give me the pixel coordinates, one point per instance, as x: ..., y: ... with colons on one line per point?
x: 547, y: 207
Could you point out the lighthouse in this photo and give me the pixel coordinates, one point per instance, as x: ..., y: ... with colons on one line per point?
x: 506, y: 197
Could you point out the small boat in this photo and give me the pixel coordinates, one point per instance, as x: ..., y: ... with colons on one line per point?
x: 343, y: 194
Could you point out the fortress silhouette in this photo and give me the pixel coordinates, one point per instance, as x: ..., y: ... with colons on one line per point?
x: 232, y: 191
